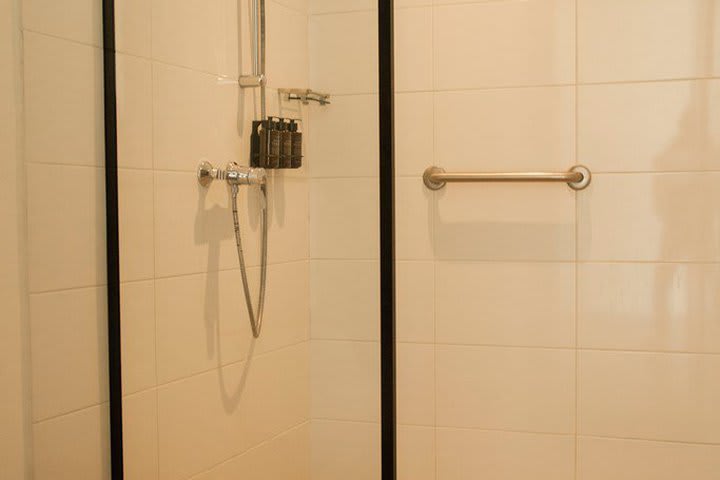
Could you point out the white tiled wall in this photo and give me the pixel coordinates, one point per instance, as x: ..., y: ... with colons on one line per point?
x: 542, y: 333
x: 64, y: 158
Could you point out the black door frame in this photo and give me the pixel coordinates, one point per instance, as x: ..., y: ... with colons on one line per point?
x: 387, y: 240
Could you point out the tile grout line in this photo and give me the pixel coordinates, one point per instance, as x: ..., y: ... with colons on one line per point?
x: 577, y: 245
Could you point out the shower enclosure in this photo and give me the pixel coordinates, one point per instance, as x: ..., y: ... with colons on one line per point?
x: 482, y: 239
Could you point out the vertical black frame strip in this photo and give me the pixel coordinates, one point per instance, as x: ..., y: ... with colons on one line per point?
x: 113, y: 242
x: 387, y: 239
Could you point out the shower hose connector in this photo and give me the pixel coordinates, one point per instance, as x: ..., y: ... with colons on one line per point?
x: 236, y: 175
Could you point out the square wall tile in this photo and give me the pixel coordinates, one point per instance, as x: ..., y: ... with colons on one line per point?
x: 415, y: 384
x: 413, y: 219
x: 519, y: 129
x: 68, y: 341
x: 603, y: 458
x: 670, y: 397
x: 63, y: 112
x: 415, y: 453
x: 494, y: 44
x: 261, y: 463
x: 134, y: 112
x: 647, y: 40
x: 77, y: 20
x: 414, y: 124
x: 344, y: 218
x: 464, y: 454
x: 344, y: 138
x: 504, y: 222
x: 526, y: 304
x: 345, y: 299
x: 201, y: 35
x: 650, y: 127
x: 347, y: 450
x: 135, y: 211
x: 288, y: 209
x: 413, y: 49
x: 140, y: 438
x: 138, y: 336
x: 195, y: 118
x: 415, y: 301
x: 345, y: 380
x: 500, y: 388
x: 649, y: 306
x: 73, y: 446
x: 658, y: 217
x: 133, y: 27
x: 344, y: 52
x: 231, y: 409
x: 66, y: 227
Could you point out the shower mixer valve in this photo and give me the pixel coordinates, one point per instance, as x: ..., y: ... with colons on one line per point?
x: 234, y: 174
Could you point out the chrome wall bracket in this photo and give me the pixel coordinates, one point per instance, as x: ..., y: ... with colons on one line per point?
x: 305, y: 95
x: 234, y: 174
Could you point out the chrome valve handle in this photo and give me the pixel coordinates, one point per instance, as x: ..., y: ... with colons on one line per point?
x: 234, y: 174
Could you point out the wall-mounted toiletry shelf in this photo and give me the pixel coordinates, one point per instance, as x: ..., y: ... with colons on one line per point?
x: 276, y: 143
x: 305, y: 95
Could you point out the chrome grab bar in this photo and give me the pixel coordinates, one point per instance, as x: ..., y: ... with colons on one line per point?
x: 577, y: 178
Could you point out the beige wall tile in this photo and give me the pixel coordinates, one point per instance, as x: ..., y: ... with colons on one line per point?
x: 194, y: 228
x: 670, y: 307
x: 138, y: 336
x: 195, y: 118
x: 345, y: 299
x: 137, y: 247
x: 528, y: 304
x: 344, y: 138
x: 652, y: 396
x: 68, y: 202
x: 603, y: 458
x: 133, y: 27
x: 413, y: 37
x: 198, y: 35
x: 78, y: 20
x: 202, y: 323
x: 140, y: 436
x: 505, y: 222
x: 506, y: 130
x: 63, y: 102
x: 69, y: 350
x: 668, y: 126
x: 73, y: 446
x: 414, y: 123
x: 134, y: 112
x: 464, y: 454
x: 619, y: 40
x: 287, y: 47
x: 526, y: 43
x: 348, y: 450
x: 344, y: 218
x: 345, y: 381
x: 525, y: 389
x: 288, y: 231
x: 327, y: 6
x: 415, y: 384
x: 285, y: 456
x: 413, y: 219
x: 344, y: 52
x: 415, y: 301
x: 230, y: 410
x: 415, y: 453
x: 662, y: 217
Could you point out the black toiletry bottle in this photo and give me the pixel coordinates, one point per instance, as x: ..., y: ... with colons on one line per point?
x: 285, y: 145
x: 274, y: 142
x: 296, y: 148
x: 258, y: 143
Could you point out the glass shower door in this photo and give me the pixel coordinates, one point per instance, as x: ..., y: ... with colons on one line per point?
x: 546, y: 332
